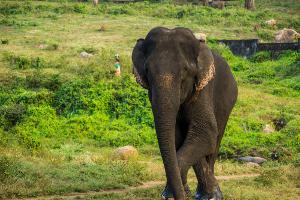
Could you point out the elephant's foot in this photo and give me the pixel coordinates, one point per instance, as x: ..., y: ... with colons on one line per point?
x: 167, y: 194
x: 216, y: 195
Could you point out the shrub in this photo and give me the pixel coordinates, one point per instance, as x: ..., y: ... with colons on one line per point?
x: 261, y: 56
x: 71, y: 97
x: 91, y: 50
x: 12, y: 115
x: 39, y: 80
x: 24, y: 62
x: 80, y: 8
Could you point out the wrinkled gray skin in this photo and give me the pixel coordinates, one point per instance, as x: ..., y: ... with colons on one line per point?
x: 189, y: 125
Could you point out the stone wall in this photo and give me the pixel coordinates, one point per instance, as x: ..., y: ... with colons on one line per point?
x: 247, y: 48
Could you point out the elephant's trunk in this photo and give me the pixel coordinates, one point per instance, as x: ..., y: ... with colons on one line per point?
x: 165, y: 105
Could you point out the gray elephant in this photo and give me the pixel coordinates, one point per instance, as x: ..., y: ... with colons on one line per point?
x: 192, y: 92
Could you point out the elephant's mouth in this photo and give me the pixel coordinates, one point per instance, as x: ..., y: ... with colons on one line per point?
x: 138, y: 78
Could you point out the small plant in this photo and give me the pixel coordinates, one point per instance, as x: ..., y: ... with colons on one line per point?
x: 91, y: 50
x: 52, y: 46
x: 102, y: 28
x: 261, y: 56
x: 80, y: 8
x: 4, y: 41
x: 24, y: 62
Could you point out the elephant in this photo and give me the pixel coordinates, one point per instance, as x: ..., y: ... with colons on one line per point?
x: 192, y: 92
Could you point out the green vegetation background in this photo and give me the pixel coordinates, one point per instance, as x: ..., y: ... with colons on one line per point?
x: 51, y: 98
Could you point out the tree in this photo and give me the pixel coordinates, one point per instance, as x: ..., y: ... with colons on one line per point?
x: 95, y: 2
x: 249, y: 4
x: 205, y: 2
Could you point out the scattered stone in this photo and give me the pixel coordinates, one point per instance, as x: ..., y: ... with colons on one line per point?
x: 85, y: 55
x: 271, y: 22
x: 42, y: 46
x: 257, y: 160
x: 286, y: 35
x: 268, y: 128
x: 252, y: 164
x: 126, y: 153
x: 200, y: 36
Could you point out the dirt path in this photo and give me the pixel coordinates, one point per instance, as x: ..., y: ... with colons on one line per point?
x: 147, y: 185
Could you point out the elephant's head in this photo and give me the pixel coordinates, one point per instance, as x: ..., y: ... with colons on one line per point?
x: 174, y: 66
x: 173, y: 54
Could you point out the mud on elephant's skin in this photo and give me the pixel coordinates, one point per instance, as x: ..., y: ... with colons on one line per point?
x: 192, y: 92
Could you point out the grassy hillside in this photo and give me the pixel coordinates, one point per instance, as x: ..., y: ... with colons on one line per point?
x: 61, y: 115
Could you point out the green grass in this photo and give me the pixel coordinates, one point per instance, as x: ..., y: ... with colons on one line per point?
x: 61, y: 116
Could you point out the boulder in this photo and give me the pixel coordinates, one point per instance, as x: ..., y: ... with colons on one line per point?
x: 85, y: 55
x: 271, y: 22
x: 257, y: 160
x: 268, y: 128
x: 200, y: 36
x: 286, y: 35
x: 126, y: 153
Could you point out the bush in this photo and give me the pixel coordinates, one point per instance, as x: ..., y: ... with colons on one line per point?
x: 11, y: 115
x: 80, y: 8
x: 71, y: 97
x: 262, y: 56
x: 91, y: 50
x: 24, y: 62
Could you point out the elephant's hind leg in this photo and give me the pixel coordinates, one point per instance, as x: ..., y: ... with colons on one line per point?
x: 208, y: 187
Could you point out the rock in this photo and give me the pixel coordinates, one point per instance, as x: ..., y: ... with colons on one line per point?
x: 257, y: 160
x: 85, y: 55
x: 200, y: 36
x: 286, y: 35
x: 42, y: 46
x: 252, y: 164
x: 268, y: 129
x: 126, y: 153
x: 271, y: 22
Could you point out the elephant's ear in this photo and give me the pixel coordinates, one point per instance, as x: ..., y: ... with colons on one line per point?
x: 138, y: 59
x: 205, y: 67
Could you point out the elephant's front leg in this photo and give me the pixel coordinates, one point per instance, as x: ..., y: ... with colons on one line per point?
x: 180, y: 135
x: 208, y: 187
x: 200, y: 143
